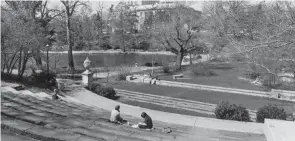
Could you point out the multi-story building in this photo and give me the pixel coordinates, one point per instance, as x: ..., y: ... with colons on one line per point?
x: 144, y: 8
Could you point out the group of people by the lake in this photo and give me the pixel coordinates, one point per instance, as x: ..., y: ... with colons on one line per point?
x: 116, y: 118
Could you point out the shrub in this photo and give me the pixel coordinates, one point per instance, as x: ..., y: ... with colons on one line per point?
x: 44, y: 79
x: 103, y: 90
x: 122, y: 73
x: 271, y: 112
x: 254, y: 75
x: 224, y: 110
x: 166, y: 69
x: 117, y: 47
x: 201, y: 70
x: 149, y: 64
x: 144, y: 45
x: 105, y: 46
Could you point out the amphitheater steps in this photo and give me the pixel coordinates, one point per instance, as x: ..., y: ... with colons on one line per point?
x: 45, y: 119
x: 14, y: 137
x: 195, y: 106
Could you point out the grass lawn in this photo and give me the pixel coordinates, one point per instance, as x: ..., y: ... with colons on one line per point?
x: 249, y: 102
x: 225, y: 75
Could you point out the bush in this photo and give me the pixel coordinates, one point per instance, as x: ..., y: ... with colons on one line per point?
x: 117, y: 47
x: 103, y: 90
x: 144, y: 45
x: 149, y: 64
x: 166, y: 69
x: 43, y: 78
x: 122, y: 73
x: 201, y: 70
x: 105, y: 46
x: 254, y: 75
x: 224, y: 110
x: 271, y: 112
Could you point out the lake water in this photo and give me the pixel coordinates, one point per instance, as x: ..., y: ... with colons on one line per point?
x: 111, y: 59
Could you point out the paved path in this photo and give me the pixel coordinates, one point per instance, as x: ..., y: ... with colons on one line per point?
x: 92, y: 99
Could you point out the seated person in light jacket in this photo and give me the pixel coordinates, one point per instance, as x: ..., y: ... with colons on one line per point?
x: 115, y: 115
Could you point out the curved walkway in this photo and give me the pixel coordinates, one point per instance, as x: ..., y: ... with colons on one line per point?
x: 92, y: 99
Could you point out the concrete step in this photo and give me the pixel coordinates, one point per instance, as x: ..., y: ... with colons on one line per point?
x: 34, y: 131
x: 7, y: 136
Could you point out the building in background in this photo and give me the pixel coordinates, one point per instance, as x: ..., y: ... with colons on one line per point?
x: 144, y: 8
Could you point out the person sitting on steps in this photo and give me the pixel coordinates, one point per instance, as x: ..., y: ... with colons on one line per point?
x: 115, y: 116
x: 55, y: 95
x: 147, y: 123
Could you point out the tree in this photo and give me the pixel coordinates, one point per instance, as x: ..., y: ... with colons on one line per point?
x: 123, y: 21
x: 70, y: 7
x: 41, y: 15
x: 177, y: 29
x: 263, y: 34
x: 20, y: 35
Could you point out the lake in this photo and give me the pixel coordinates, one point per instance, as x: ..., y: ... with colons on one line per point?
x: 110, y: 59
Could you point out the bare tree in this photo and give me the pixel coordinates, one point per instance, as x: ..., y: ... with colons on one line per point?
x: 177, y: 29
x: 20, y: 35
x: 41, y: 14
x: 70, y: 7
x: 123, y: 21
x: 262, y: 34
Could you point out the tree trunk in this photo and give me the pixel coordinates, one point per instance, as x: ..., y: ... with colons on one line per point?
x: 47, y: 60
x: 38, y: 59
x: 70, y: 52
x: 179, y: 60
x: 190, y: 59
x: 19, y: 61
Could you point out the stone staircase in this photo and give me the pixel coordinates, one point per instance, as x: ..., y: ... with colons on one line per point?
x: 28, y: 116
x: 45, y: 119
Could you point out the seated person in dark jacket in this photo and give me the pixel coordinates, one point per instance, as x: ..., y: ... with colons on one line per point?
x: 148, y: 122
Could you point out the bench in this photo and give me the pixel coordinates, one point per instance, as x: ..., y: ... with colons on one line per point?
x: 177, y: 76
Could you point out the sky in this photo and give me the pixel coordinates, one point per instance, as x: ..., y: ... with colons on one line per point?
x: 197, y: 5
x: 107, y: 4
